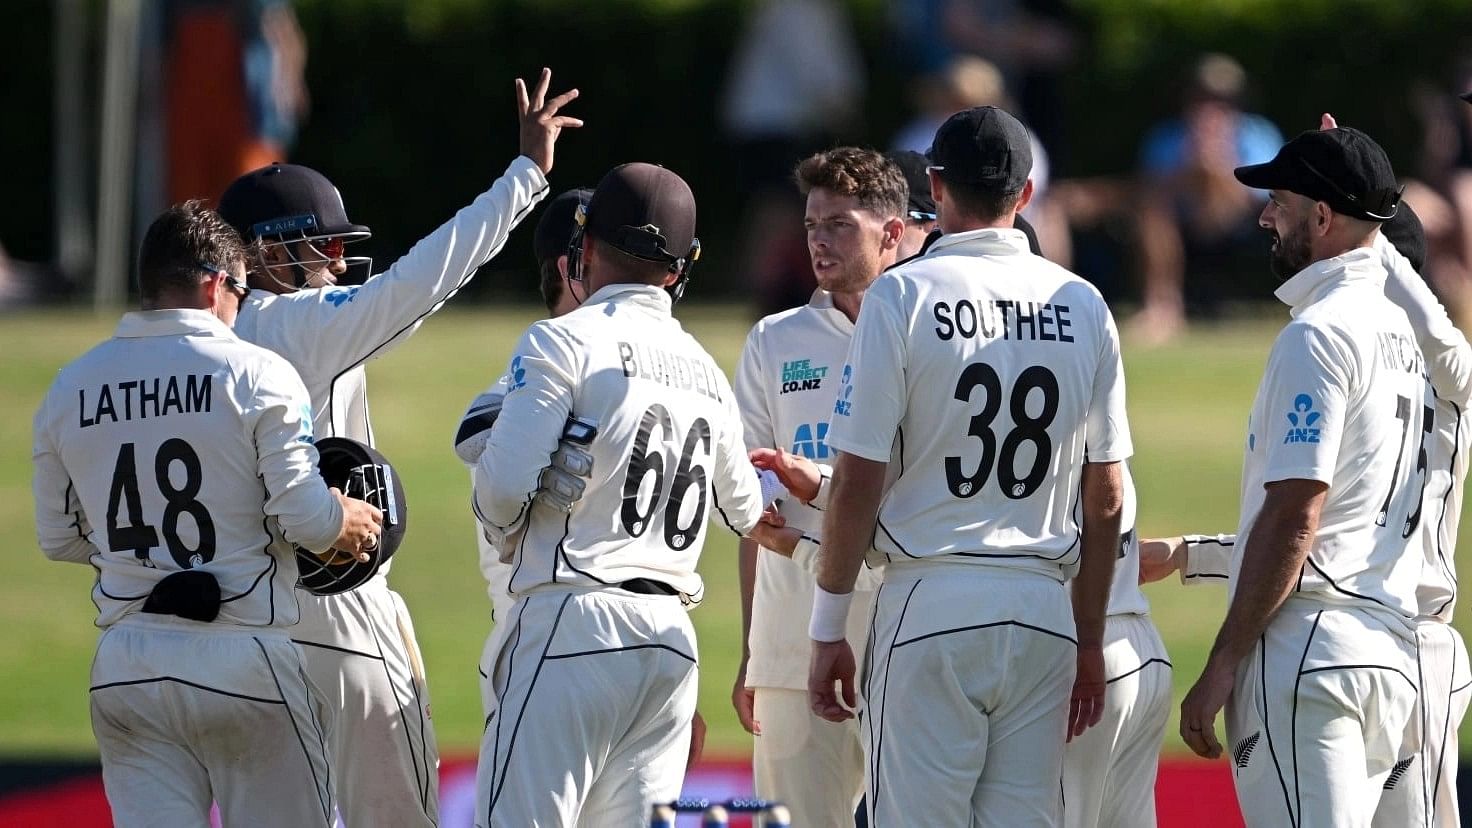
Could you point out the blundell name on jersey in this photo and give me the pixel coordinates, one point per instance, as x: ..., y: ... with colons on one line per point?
x: 144, y: 398
x: 1002, y: 319
x: 668, y: 368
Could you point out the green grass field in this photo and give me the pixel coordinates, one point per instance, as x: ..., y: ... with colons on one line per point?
x: 1188, y: 407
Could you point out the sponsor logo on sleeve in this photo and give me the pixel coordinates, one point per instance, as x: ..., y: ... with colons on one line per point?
x: 337, y: 296
x: 1303, y: 421
x: 517, y: 375
x: 842, y: 406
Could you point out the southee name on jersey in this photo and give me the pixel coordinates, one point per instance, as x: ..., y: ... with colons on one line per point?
x: 144, y: 398
x: 1002, y: 319
x: 668, y: 368
x: 801, y: 375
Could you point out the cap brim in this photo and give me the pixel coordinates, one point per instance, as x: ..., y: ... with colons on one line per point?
x: 1467, y: 97
x: 350, y: 232
x: 1274, y: 175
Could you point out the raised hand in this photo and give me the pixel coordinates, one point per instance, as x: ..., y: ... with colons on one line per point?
x: 540, y: 123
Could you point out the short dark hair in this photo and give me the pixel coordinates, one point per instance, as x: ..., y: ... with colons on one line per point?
x: 178, y: 242
x: 877, y: 182
x: 980, y: 201
x: 552, y: 284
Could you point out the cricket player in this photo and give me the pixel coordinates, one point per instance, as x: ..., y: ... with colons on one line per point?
x: 990, y: 379
x: 786, y: 384
x: 177, y: 461
x: 1426, y: 789
x: 594, y: 670
x: 1316, y: 660
x: 553, y: 233
x: 360, y: 644
x: 919, y: 213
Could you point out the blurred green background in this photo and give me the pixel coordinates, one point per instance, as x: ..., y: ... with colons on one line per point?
x: 1188, y: 407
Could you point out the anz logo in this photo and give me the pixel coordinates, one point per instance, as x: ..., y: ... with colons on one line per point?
x: 810, y: 441
x: 842, y: 406
x: 1302, y: 421
x: 337, y: 296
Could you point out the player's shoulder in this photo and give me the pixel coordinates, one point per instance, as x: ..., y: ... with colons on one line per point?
x: 799, y: 321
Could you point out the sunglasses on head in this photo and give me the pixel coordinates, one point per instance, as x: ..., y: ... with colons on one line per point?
x: 241, y: 289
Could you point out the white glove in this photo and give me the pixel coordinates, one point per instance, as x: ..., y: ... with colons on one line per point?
x: 475, y: 426
x: 772, y: 488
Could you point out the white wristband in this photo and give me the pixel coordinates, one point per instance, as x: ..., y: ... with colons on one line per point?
x: 830, y: 615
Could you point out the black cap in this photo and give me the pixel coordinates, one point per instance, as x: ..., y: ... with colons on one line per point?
x: 644, y: 210
x: 1466, y: 97
x: 557, y: 224
x: 1407, y: 235
x: 286, y: 199
x: 984, y: 146
x: 1342, y: 167
x: 913, y: 165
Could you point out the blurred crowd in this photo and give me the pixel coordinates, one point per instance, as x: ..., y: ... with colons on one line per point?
x: 1187, y: 229
x: 1167, y: 241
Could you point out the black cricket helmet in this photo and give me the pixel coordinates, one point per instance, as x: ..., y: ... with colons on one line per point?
x: 282, y: 204
x: 362, y: 473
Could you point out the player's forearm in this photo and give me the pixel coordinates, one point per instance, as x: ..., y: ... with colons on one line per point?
x: 848, y: 524
x: 389, y: 306
x: 1447, y: 353
x: 1103, y: 503
x: 1276, y: 551
x: 296, y: 497
x: 746, y: 553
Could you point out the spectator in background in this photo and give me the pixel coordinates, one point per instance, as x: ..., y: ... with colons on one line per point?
x: 1195, y: 216
x: 234, y: 90
x: 966, y: 82
x: 1031, y: 41
x: 1442, y: 197
x: 795, y: 84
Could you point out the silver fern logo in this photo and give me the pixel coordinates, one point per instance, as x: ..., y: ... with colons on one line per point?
x: 1243, y: 752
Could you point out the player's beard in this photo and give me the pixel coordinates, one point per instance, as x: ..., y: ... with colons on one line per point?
x: 853, y: 274
x: 1290, y: 252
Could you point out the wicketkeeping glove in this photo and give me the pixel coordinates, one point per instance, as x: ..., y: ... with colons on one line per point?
x: 564, y: 480
x: 475, y: 426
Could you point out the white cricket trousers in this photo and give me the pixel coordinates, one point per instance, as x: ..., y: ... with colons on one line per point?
x: 1427, y: 791
x: 1318, y: 715
x: 589, y: 706
x: 187, y: 713
x: 966, y: 699
x: 1109, y: 771
x: 814, y: 767
x: 360, y: 650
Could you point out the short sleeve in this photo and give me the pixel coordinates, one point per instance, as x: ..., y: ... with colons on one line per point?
x: 872, y: 391
x: 1107, y: 428
x: 1305, y: 396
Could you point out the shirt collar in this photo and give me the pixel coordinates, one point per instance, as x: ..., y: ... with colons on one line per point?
x: 986, y: 241
x: 170, y: 322
x: 822, y: 301
x: 1315, y: 281
x: 650, y: 296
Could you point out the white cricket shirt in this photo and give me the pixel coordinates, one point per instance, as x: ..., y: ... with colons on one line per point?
x: 1449, y: 365
x: 669, y: 453
x: 982, y: 372
x: 175, y: 445
x: 329, y: 333
x: 1342, y: 402
x: 786, y: 383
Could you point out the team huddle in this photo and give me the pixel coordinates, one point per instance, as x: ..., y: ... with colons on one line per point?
x: 927, y: 465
